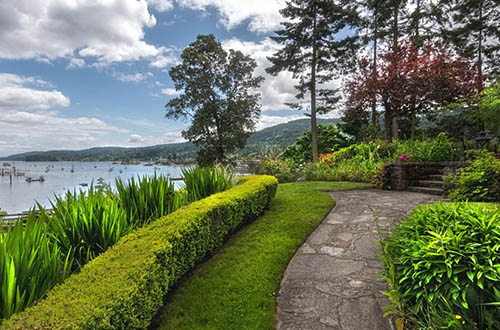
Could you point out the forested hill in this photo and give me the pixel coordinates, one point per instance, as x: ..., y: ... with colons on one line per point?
x: 269, y: 140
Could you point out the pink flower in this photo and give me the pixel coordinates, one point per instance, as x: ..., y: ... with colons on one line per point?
x: 403, y: 157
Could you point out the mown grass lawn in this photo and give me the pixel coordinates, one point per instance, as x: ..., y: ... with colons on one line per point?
x: 236, y: 287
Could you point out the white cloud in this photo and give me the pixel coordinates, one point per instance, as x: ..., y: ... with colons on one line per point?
x: 169, y: 137
x: 48, y: 130
x: 28, y: 120
x: 161, y: 5
x: 75, y: 63
x: 101, y: 31
x: 135, y: 138
x: 169, y: 91
x: 275, y: 90
x: 17, y: 92
x: 263, y: 15
x: 269, y: 121
x: 133, y: 77
x: 165, y: 58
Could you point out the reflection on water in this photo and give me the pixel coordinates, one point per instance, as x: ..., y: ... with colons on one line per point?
x: 61, y: 176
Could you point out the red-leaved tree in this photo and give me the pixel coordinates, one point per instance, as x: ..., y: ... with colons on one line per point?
x: 410, y: 81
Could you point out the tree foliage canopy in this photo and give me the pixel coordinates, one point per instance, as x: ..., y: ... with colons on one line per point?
x: 412, y: 80
x: 330, y: 139
x: 217, y: 93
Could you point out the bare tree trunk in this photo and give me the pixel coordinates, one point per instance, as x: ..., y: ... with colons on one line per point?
x: 480, y: 48
x: 314, y: 133
x: 395, y: 45
x: 413, y: 125
x: 220, y: 155
x: 375, y: 37
x: 388, y: 122
x: 395, y: 128
x: 413, y: 114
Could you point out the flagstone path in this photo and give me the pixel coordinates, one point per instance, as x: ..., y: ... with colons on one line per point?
x: 333, y: 280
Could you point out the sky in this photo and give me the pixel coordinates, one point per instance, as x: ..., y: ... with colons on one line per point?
x: 76, y: 74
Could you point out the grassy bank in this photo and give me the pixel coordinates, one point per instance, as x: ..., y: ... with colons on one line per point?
x: 236, y: 287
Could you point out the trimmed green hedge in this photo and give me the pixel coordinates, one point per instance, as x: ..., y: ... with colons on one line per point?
x: 124, y: 287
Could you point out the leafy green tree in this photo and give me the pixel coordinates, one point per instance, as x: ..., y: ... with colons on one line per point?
x: 314, y: 52
x: 330, y: 139
x: 489, y: 108
x: 217, y: 94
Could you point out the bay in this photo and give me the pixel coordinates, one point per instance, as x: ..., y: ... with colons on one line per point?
x: 60, y: 177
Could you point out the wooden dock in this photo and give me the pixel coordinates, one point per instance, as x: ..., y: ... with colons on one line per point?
x: 11, y: 219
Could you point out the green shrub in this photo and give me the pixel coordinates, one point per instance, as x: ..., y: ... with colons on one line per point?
x: 30, y: 265
x: 441, y: 150
x: 148, y: 198
x: 124, y: 287
x: 285, y: 170
x: 85, y: 225
x: 375, y: 151
x: 202, y: 182
x: 442, y: 264
x: 479, y: 182
x: 354, y: 170
x: 361, y: 162
x: 330, y: 139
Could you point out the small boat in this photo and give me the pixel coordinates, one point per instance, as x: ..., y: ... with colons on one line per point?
x: 148, y: 164
x: 39, y: 179
x: 6, y: 164
x: 111, y: 169
x: 84, y: 184
x: 18, y: 173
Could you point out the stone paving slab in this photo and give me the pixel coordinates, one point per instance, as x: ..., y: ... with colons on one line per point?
x: 333, y: 281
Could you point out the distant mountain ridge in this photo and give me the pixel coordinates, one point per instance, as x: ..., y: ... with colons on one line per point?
x: 269, y: 140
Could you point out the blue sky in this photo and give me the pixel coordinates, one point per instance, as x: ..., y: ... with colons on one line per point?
x: 79, y: 74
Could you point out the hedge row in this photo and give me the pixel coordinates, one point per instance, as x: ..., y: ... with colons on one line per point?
x: 124, y: 287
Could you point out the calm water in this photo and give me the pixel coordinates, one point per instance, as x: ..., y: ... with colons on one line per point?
x: 21, y: 195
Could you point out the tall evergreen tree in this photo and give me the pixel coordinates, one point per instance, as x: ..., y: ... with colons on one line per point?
x: 313, y: 52
x: 474, y: 28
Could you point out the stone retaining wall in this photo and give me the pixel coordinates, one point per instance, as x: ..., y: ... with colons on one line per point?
x: 400, y: 175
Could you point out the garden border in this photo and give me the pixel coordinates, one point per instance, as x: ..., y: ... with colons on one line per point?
x: 124, y: 287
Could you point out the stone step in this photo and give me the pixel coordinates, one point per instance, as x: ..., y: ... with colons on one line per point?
x: 426, y: 190
x: 435, y: 177
x: 428, y: 183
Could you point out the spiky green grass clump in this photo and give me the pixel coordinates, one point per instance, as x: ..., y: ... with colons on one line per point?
x: 30, y: 265
x: 149, y: 198
x: 85, y: 225
x: 82, y: 225
x: 202, y: 182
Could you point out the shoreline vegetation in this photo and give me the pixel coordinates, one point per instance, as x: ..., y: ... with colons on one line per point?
x: 270, y: 140
x: 82, y: 225
x: 123, y: 287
